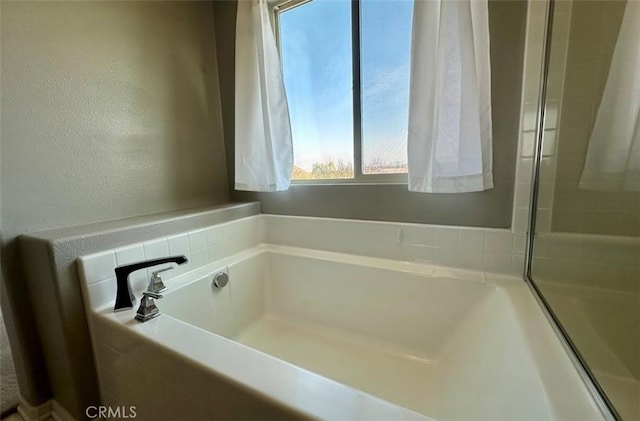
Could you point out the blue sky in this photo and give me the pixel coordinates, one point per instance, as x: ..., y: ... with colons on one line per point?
x: 317, y: 63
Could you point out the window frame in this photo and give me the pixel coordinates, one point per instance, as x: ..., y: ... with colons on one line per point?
x: 280, y: 6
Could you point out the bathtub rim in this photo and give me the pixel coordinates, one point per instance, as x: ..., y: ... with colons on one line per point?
x: 421, y: 269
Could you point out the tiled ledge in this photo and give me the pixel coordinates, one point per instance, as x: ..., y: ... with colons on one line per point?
x: 153, y: 225
x: 483, y: 249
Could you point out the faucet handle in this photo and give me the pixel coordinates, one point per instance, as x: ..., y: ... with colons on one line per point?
x: 151, y: 294
x: 148, y: 309
x: 156, y: 284
x: 156, y: 272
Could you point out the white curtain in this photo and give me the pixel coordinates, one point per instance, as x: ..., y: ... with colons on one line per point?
x: 613, y: 154
x: 263, y: 145
x: 450, y: 135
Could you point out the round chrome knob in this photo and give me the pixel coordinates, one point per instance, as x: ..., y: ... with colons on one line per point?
x: 220, y: 280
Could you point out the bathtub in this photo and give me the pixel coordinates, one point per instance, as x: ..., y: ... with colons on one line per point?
x: 306, y: 334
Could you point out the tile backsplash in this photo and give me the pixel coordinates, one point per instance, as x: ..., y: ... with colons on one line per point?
x: 490, y: 250
x: 486, y: 249
x: 200, y: 247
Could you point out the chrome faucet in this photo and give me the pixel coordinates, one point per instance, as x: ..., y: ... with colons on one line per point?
x: 148, y: 309
x: 124, y: 296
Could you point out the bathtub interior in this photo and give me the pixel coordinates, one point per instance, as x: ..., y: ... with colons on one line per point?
x: 445, y: 347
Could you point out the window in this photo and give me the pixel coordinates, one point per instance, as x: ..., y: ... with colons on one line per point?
x: 346, y: 73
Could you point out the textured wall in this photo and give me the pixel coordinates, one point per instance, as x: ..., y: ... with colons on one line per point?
x: 492, y: 208
x: 108, y: 110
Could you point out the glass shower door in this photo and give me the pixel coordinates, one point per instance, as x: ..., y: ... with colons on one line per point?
x: 585, y: 259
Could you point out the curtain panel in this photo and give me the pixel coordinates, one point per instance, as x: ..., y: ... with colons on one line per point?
x: 263, y: 143
x: 450, y: 130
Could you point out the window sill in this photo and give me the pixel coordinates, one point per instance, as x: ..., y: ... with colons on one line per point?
x: 362, y: 181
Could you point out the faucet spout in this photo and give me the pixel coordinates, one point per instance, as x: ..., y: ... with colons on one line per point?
x: 124, y: 296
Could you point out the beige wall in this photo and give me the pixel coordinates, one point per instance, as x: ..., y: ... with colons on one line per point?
x: 108, y: 110
x: 492, y: 208
x: 591, y: 41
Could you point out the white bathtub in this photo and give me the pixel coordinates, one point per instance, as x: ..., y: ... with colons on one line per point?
x: 308, y: 334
